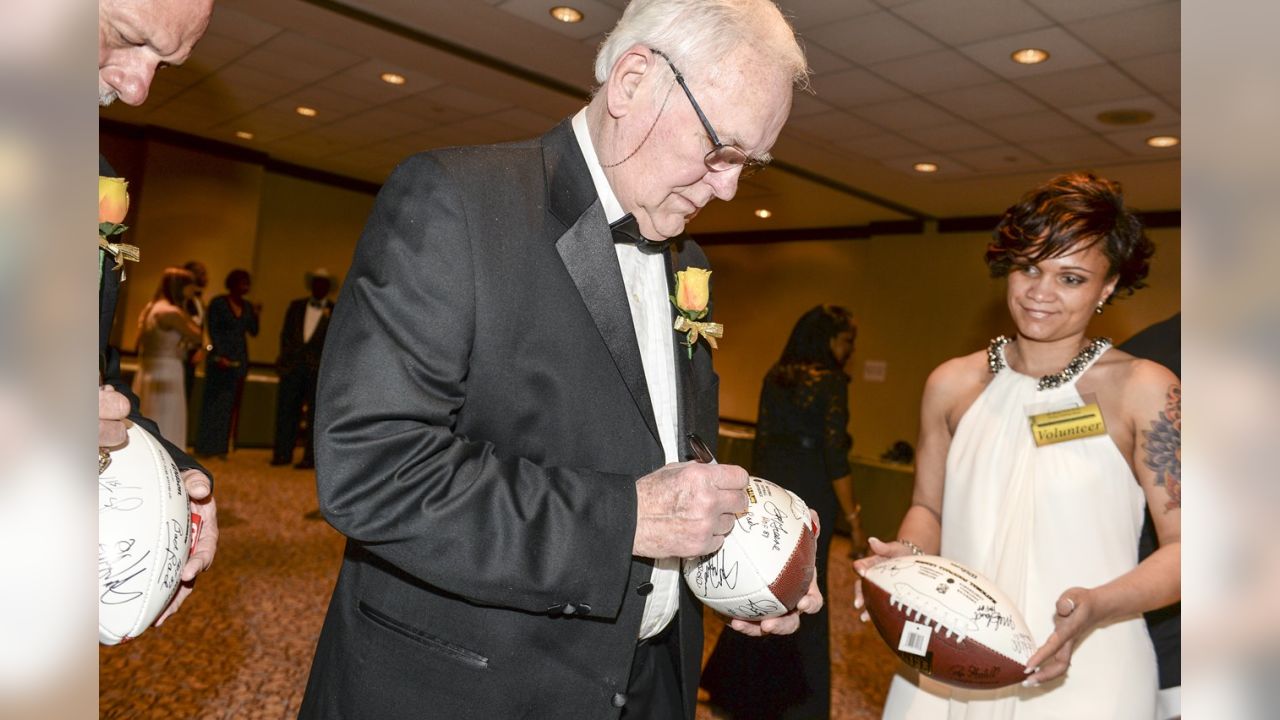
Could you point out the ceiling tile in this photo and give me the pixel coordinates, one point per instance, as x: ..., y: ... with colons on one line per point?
x: 805, y: 14
x: 884, y: 145
x: 1068, y: 10
x: 365, y: 127
x: 803, y: 103
x: 1088, y: 114
x: 855, y: 87
x: 238, y: 75
x: 873, y: 38
x: 932, y: 72
x: 1159, y: 73
x: 958, y: 23
x: 466, y: 100
x: 952, y: 136
x: 298, y: 56
x: 214, y: 51
x: 1065, y: 52
x: 1003, y: 158
x: 425, y: 107
x: 363, y: 81
x: 834, y: 125
x: 330, y: 105
x: 1135, y: 141
x: 986, y: 101
x: 1082, y: 86
x: 1076, y: 152
x: 822, y: 60
x: 1042, y: 125
x: 1133, y: 33
x: 899, y: 114
x: 948, y: 167
x: 526, y: 121
x: 597, y: 17
x: 228, y: 22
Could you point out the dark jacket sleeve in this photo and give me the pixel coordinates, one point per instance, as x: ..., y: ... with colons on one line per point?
x: 393, y: 472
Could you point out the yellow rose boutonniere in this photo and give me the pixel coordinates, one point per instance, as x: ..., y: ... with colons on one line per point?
x: 113, y: 205
x: 693, y: 292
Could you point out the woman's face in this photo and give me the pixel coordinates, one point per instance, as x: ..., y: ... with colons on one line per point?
x: 240, y: 287
x: 189, y: 291
x: 1056, y: 298
x: 842, y: 347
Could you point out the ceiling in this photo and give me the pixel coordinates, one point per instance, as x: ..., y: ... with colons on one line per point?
x: 895, y: 82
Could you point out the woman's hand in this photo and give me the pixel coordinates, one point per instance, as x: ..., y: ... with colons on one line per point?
x: 1076, y: 614
x: 880, y: 551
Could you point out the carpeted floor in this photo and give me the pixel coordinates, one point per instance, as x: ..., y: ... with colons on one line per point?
x: 241, y: 646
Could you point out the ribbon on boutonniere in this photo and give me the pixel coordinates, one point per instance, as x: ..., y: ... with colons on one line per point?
x: 113, y: 204
x: 693, y: 292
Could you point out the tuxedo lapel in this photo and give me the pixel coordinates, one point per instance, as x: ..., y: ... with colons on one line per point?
x: 684, y: 366
x: 586, y: 248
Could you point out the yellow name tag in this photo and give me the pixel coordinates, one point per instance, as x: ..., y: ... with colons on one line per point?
x: 1071, y: 424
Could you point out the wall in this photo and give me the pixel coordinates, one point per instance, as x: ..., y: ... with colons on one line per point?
x: 918, y: 300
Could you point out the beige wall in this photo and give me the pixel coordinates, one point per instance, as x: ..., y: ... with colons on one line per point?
x: 918, y: 300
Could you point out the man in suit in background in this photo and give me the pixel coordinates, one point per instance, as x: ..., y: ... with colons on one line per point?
x: 506, y: 404
x: 301, y: 340
x: 134, y: 38
x: 195, y: 308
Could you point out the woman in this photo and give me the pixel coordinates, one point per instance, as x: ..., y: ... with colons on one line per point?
x: 802, y: 443
x: 230, y: 318
x: 1054, y: 525
x: 165, y: 334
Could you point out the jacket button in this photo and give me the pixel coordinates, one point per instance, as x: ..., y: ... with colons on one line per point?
x: 645, y: 589
x: 619, y: 699
x: 583, y: 608
x: 569, y: 609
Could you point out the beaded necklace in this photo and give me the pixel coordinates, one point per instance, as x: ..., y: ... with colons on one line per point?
x: 996, y: 361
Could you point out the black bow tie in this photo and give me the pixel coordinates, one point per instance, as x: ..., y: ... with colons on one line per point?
x: 626, y: 231
x: 317, y: 304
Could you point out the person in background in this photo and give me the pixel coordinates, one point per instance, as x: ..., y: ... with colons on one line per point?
x: 134, y: 38
x: 503, y: 430
x: 195, y: 308
x: 301, y: 340
x: 1053, y: 518
x: 165, y: 332
x: 1162, y: 343
x: 232, y: 318
x: 802, y: 443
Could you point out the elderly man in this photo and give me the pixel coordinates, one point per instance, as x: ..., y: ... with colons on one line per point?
x: 134, y: 38
x: 506, y: 403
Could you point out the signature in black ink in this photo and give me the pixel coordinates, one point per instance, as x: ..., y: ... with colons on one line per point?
x: 992, y: 617
x: 118, y: 496
x: 114, y: 574
x: 712, y: 572
x: 755, y: 608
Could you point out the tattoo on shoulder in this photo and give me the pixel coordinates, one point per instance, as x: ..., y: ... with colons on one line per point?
x: 1163, y: 447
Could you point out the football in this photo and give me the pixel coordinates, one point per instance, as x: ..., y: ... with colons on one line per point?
x: 767, y: 560
x: 948, y: 622
x: 144, y: 536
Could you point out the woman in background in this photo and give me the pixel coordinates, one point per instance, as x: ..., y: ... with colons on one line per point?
x: 165, y: 334
x: 802, y: 443
x: 1054, y: 524
x: 230, y: 318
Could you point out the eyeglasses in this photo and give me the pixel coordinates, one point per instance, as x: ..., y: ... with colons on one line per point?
x: 720, y: 157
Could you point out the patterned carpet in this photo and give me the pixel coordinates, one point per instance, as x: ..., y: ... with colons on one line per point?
x: 241, y: 646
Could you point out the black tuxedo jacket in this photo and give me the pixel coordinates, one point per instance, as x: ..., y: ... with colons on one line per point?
x: 109, y: 356
x: 485, y: 419
x: 294, y: 352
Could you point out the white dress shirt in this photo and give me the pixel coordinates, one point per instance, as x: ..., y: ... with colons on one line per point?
x: 312, y: 318
x: 644, y: 275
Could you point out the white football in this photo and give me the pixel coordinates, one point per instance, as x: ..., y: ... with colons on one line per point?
x: 144, y: 536
x: 767, y: 560
x: 948, y: 621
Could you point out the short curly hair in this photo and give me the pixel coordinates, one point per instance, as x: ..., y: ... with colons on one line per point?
x: 1072, y: 212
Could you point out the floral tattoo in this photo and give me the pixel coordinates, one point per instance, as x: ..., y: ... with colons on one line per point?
x: 1163, y: 444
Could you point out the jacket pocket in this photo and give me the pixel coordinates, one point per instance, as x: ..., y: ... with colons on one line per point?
x: 447, y: 649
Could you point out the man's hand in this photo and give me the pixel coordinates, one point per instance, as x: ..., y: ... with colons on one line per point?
x: 685, y: 509
x: 811, y: 603
x: 199, y: 490
x: 113, y: 408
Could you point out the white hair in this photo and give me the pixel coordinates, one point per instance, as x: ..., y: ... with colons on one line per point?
x: 698, y: 34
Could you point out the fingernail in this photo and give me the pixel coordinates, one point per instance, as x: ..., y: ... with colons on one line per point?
x: 1028, y: 671
x: 866, y: 617
x: 857, y: 603
x: 1030, y: 683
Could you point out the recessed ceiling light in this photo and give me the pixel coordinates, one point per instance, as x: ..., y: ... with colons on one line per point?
x: 392, y: 78
x: 305, y: 111
x: 1029, y: 56
x: 244, y: 134
x: 763, y: 214
x: 566, y: 14
x: 925, y: 167
x: 1125, y: 117
x: 1163, y: 141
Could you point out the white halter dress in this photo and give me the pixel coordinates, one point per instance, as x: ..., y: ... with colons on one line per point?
x: 1039, y: 520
